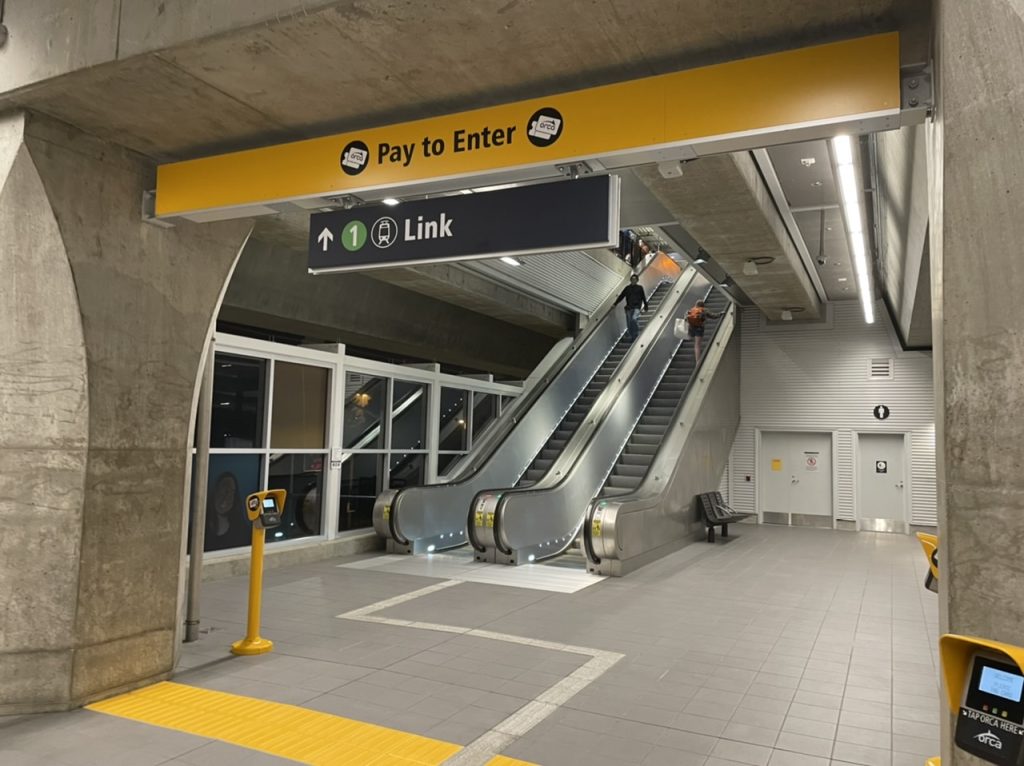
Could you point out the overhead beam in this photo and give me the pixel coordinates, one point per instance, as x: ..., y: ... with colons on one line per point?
x: 851, y: 86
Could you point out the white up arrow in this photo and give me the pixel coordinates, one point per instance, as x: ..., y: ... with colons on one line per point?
x: 325, y: 238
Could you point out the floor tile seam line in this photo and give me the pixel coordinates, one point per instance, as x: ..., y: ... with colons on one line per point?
x: 544, y: 644
x: 533, y: 712
x: 380, y: 606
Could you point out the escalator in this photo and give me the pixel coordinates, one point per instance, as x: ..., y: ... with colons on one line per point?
x: 531, y: 523
x: 578, y: 413
x: 429, y: 518
x: 638, y: 455
x: 645, y: 508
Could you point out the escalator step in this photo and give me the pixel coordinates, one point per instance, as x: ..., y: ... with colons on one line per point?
x: 641, y: 449
x: 622, y: 482
x: 657, y: 420
x: 647, y: 428
x: 638, y: 439
x: 644, y: 460
x: 624, y: 469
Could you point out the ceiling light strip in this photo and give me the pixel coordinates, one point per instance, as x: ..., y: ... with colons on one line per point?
x: 849, y: 190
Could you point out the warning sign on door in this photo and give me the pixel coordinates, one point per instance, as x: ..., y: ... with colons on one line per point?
x: 881, y: 466
x: 776, y: 464
x: 811, y: 461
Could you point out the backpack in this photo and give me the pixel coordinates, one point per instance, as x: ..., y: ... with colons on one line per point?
x: 695, y: 317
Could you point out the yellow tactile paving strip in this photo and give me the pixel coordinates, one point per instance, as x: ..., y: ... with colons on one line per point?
x: 287, y: 731
x: 501, y: 760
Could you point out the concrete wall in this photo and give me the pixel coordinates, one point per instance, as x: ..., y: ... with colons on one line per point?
x: 105, y: 321
x: 976, y: 234
x: 814, y: 377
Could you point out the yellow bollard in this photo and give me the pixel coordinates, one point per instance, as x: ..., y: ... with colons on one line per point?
x: 264, y: 510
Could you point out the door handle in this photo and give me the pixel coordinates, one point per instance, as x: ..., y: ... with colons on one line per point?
x: 899, y: 485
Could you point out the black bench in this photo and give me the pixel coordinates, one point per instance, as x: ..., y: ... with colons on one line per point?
x: 717, y: 514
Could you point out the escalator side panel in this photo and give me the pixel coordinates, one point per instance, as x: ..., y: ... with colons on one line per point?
x: 660, y: 518
x: 536, y: 522
x: 419, y: 519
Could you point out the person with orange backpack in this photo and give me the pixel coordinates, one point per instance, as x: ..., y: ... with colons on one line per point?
x: 695, y: 319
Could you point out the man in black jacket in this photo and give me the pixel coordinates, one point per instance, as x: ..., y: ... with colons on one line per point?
x: 635, y: 298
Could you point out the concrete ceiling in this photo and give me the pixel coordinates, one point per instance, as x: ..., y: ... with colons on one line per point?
x: 724, y: 203
x: 177, y: 80
x: 174, y: 80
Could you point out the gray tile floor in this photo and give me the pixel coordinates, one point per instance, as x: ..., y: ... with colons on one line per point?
x: 782, y: 647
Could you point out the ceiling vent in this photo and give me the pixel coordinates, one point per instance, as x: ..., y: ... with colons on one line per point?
x: 881, y: 369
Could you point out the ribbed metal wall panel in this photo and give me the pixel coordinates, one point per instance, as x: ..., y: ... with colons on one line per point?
x: 924, y: 510
x: 742, y: 494
x: 572, y: 280
x: 844, y: 476
x: 815, y: 377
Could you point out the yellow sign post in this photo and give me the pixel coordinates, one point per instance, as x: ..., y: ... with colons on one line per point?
x: 852, y: 86
x: 264, y: 510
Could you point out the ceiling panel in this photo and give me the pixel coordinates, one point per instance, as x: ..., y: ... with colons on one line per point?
x: 836, y: 273
x: 576, y: 281
x: 805, y: 172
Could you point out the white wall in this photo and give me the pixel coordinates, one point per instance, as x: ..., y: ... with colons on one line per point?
x: 814, y: 377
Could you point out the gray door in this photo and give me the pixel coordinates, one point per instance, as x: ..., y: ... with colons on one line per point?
x: 881, y: 482
x: 796, y: 477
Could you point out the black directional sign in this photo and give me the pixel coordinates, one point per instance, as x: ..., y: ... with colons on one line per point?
x: 566, y: 215
x: 881, y: 412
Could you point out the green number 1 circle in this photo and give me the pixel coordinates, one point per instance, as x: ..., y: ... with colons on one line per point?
x: 353, y: 236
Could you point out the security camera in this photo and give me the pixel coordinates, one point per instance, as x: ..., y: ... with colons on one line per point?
x: 821, y: 260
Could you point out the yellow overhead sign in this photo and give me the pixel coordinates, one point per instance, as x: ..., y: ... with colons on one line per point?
x: 822, y: 85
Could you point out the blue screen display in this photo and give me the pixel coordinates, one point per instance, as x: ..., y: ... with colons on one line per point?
x: 1002, y: 684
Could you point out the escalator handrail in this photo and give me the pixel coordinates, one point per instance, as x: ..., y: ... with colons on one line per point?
x: 576, y: 450
x: 639, y: 493
x: 664, y: 267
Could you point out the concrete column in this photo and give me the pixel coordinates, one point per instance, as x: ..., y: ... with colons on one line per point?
x: 978, y: 278
x: 104, y: 319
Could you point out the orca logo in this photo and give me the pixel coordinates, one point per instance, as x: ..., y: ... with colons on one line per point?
x: 355, y: 157
x: 545, y: 127
x: 990, y: 739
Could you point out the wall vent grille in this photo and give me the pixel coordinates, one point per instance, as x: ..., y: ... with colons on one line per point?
x: 881, y: 369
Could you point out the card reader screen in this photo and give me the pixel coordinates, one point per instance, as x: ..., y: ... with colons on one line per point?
x: 1002, y: 684
x: 270, y: 505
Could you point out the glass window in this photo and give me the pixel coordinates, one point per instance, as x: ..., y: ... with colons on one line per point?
x: 302, y: 476
x: 360, y: 485
x: 485, y: 410
x: 239, y: 394
x: 409, y: 416
x: 447, y: 462
x: 300, y: 406
x: 364, y: 409
x: 454, y: 435
x: 232, y: 478
x: 407, y: 469
x: 505, y: 402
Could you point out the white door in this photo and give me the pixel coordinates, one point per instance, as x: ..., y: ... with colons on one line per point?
x: 796, y: 473
x: 881, y: 482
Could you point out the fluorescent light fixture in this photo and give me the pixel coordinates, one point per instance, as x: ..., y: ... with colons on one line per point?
x: 466, y: 191
x: 843, y: 148
x: 849, y: 189
x: 390, y: 201
x: 431, y: 548
x: 495, y: 187
x: 511, y: 261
